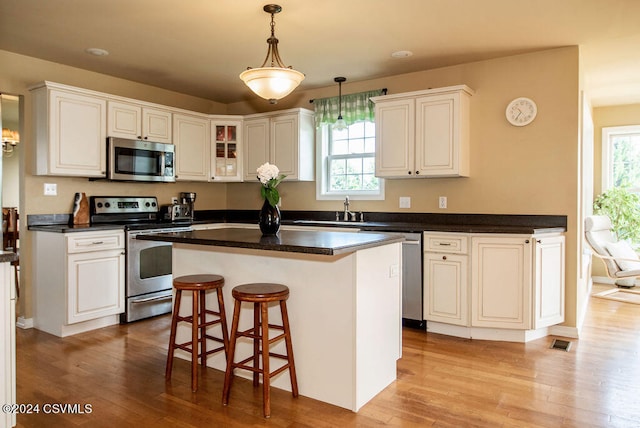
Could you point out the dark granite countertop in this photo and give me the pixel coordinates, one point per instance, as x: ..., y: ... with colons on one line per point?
x: 65, y: 228
x: 294, y: 241
x: 8, y: 256
x: 375, y: 222
x: 427, y: 227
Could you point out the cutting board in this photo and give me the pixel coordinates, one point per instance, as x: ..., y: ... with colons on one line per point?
x: 80, y: 209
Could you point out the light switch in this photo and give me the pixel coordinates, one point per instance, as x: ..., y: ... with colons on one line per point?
x: 405, y: 202
x: 394, y: 270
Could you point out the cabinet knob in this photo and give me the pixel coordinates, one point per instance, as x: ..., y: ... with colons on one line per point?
x: 417, y: 172
x: 444, y: 257
x: 526, y: 242
x: 539, y: 241
x: 139, y: 137
x: 409, y: 172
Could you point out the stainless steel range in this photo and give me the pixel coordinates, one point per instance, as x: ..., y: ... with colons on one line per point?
x: 148, y: 280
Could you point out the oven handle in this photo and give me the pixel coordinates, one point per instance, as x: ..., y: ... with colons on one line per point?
x: 152, y: 299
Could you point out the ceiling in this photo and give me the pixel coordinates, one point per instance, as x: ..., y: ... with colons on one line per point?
x: 199, y: 47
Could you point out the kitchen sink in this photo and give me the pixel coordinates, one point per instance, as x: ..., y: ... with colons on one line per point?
x: 333, y: 222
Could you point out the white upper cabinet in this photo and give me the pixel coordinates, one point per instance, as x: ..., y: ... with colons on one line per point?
x: 70, y: 128
x: 129, y: 120
x: 423, y: 133
x: 191, y: 136
x: 226, y: 149
x: 285, y: 139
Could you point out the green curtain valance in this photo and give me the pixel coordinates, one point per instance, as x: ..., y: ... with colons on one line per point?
x: 355, y: 107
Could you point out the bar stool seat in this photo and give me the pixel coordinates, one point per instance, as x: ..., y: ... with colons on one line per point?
x: 198, y: 285
x: 260, y: 294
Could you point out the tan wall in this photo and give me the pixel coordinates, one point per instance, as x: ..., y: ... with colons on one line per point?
x: 529, y: 170
x: 622, y: 115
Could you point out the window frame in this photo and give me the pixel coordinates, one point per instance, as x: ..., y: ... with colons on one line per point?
x: 607, y: 147
x: 322, y: 173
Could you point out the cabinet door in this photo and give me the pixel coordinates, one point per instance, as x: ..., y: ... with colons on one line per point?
x: 549, y: 281
x: 191, y: 138
x: 283, y: 144
x: 446, y: 285
x: 124, y: 120
x: 77, y: 135
x: 226, y: 151
x: 395, y: 138
x: 501, y: 282
x: 95, y: 285
x: 437, y: 135
x: 7, y: 346
x: 256, y: 146
x: 156, y: 125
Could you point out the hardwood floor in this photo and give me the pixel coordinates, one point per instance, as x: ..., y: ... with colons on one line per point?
x: 442, y: 382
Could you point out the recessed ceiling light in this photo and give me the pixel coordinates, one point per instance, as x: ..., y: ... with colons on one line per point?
x: 97, y: 51
x: 401, y: 54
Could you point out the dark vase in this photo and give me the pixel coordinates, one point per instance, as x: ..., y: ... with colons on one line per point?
x: 269, y: 219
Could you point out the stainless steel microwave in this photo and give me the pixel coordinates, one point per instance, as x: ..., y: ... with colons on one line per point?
x: 137, y: 160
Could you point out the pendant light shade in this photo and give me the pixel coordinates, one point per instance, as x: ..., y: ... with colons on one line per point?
x: 272, y: 80
x: 340, y: 124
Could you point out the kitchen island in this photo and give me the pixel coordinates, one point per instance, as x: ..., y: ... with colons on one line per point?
x: 344, y: 307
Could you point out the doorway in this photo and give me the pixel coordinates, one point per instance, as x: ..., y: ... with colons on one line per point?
x: 10, y: 167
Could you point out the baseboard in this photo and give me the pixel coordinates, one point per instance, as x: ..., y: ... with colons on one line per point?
x: 564, y: 331
x: 608, y: 281
x: 24, y: 323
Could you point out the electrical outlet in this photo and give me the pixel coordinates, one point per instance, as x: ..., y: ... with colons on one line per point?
x: 50, y: 189
x: 405, y: 202
x: 442, y: 202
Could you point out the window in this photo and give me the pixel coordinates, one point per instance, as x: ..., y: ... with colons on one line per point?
x: 346, y: 158
x: 347, y: 163
x: 621, y: 157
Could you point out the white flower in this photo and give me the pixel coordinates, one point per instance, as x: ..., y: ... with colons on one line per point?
x: 267, y: 172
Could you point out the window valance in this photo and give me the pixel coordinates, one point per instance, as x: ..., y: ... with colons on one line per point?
x: 355, y: 107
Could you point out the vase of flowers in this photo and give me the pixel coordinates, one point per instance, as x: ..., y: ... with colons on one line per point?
x: 269, y: 218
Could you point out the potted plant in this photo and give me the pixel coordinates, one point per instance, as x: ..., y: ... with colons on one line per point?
x: 623, y: 208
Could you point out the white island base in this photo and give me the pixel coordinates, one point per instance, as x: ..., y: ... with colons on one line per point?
x: 344, y: 312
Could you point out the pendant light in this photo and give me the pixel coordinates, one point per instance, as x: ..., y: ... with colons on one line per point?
x: 340, y: 124
x: 272, y: 80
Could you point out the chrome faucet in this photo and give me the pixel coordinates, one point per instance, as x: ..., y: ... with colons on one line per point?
x: 347, y: 213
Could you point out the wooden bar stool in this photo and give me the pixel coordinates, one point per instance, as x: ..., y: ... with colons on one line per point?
x: 260, y: 294
x: 198, y: 284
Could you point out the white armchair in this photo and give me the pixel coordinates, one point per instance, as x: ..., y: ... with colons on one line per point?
x: 621, y: 261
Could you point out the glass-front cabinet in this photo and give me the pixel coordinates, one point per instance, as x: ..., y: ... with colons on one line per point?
x: 226, y: 150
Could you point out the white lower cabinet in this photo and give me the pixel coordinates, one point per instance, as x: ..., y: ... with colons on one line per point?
x: 549, y: 286
x: 78, y: 280
x: 502, y: 282
x: 446, y: 267
x: 7, y: 345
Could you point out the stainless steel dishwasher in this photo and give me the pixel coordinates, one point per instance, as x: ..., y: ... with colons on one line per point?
x: 412, y: 281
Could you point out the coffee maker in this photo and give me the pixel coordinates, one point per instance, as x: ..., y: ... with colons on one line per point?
x: 189, y: 198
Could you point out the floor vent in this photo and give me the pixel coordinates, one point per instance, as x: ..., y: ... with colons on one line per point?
x: 562, y: 345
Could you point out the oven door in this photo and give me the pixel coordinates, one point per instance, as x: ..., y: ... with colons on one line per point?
x: 148, y: 264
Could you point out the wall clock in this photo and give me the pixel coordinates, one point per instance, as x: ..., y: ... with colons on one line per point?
x: 521, y: 111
